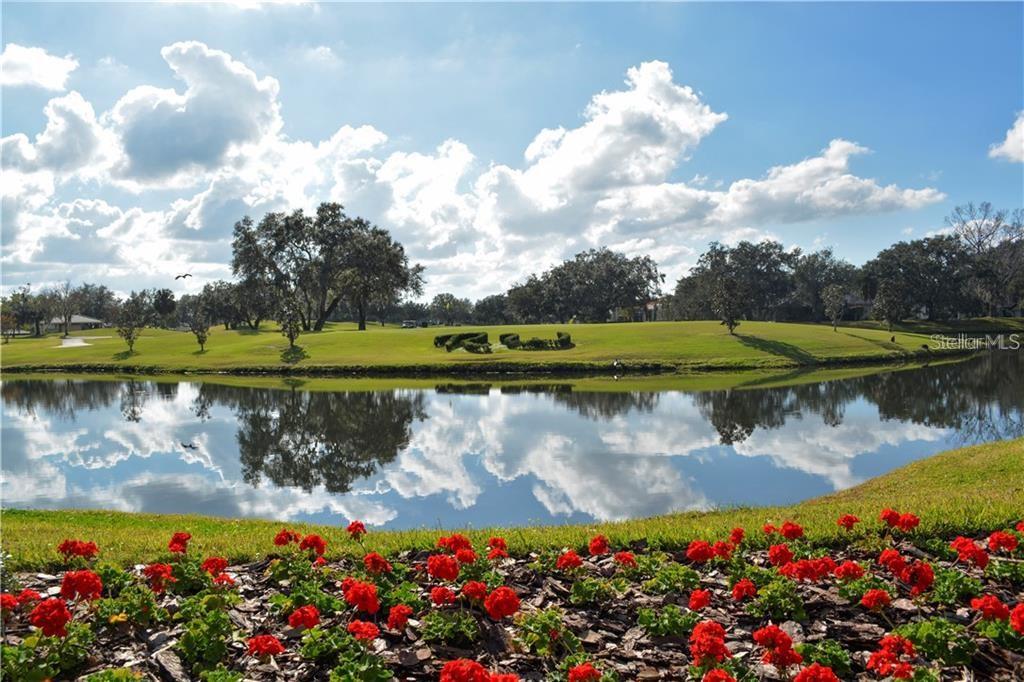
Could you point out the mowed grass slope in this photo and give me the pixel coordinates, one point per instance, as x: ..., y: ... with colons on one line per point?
x: 664, y: 345
x: 970, y: 490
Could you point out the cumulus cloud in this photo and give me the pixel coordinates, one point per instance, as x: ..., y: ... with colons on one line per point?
x: 217, y: 146
x: 1011, y: 148
x: 34, y: 66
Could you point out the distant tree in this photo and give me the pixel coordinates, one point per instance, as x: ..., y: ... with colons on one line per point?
x: 834, y: 298
x: 163, y: 304
x: 813, y: 273
x: 450, y: 309
x: 727, y: 302
x: 526, y: 301
x: 290, y: 319
x: 995, y: 240
x: 889, y: 304
x: 378, y: 273
x: 196, y: 317
x: 132, y: 314
x: 492, y: 310
x: 97, y: 301
x: 8, y: 323
x: 66, y: 301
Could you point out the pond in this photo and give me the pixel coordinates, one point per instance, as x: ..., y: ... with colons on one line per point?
x: 461, y: 455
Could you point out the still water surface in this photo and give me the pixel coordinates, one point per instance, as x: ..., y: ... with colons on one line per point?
x: 483, y: 455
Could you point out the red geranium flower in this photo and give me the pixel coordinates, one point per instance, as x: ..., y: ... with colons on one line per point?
x: 809, y: 569
x: 876, y: 600
x: 504, y: 677
x: 598, y: 545
x: 779, y: 555
x: 888, y: 660
x: 736, y: 536
x: 465, y: 556
x: 707, y: 643
x: 27, y: 596
x: 398, y: 616
x: 849, y: 570
x: 717, y: 675
x: 744, y: 589
x: 179, y: 542
x: 497, y: 543
x: 51, y: 616
x: 464, y: 670
x: 1020, y: 526
x: 442, y: 596
x: 315, y: 543
x: 791, y: 531
x: 224, y: 580
x: 779, y: 646
x: 700, y: 552
x: 81, y: 584
x: 893, y: 561
x: 265, y: 645
x: 454, y: 542
x: 1000, y: 540
x: 569, y: 561
x: 286, y: 537
x: 375, y: 563
x: 625, y: 559
x: 356, y: 530
x: 816, y: 672
x: 502, y: 602
x: 585, y: 672
x: 497, y: 553
x: 769, y: 528
x: 474, y: 589
x: 847, y: 521
x: 363, y: 596
x: 990, y: 607
x: 722, y: 550
x: 907, y: 522
x: 304, y: 617
x: 699, y: 600
x: 891, y: 517
x: 968, y: 552
x: 215, y: 565
x: 1017, y: 618
x: 8, y: 602
x: 160, y: 575
x: 919, y: 576
x: 363, y: 631
x: 70, y: 548
x: 442, y: 567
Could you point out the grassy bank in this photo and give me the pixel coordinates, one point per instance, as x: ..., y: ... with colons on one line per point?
x: 341, y: 349
x: 971, y: 326
x: 967, y: 490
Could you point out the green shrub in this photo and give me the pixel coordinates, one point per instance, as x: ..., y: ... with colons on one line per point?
x: 544, y: 633
x: 668, y: 622
x: 563, y: 340
x: 672, y: 577
x: 509, y: 340
x: 114, y: 675
x: 441, y: 339
x: 778, y: 600
x: 827, y: 652
x: 591, y: 591
x: 450, y: 627
x: 951, y: 587
x: 455, y: 341
x: 535, y: 344
x: 474, y: 347
x: 940, y: 640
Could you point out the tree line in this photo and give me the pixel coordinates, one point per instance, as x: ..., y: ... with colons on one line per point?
x: 303, y: 270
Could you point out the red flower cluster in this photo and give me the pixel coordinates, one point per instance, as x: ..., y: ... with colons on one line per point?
x: 375, y: 563
x: 812, y: 570
x: 736, y: 536
x: 475, y: 590
x: 314, y: 542
x: 903, y: 522
x: 466, y: 670
x: 356, y: 530
x: 160, y: 575
x: 585, y: 672
x: 81, y: 585
x: 178, y: 543
x: 722, y: 550
x: 51, y: 616
x: 876, y: 600
x: 363, y: 631
x: 778, y: 647
x: 224, y: 580
x: 625, y: 559
x: 699, y: 600
x: 779, y: 555
x: 969, y: 552
x: 454, y: 542
x: 1002, y: 540
x: 442, y: 567
x: 569, y: 561
x: 363, y: 596
x: 717, y: 675
x: 744, y: 589
x: 503, y: 601
x: 892, y: 656
x: 919, y: 576
x: 990, y: 607
x: 214, y: 565
x: 791, y: 531
x: 707, y: 644
x: 304, y: 617
x: 465, y: 556
x: 816, y: 672
x: 398, y: 616
x: 847, y: 521
x: 849, y: 570
x: 700, y: 552
x: 8, y: 602
x: 498, y: 549
x: 286, y: 537
x: 893, y: 561
x: 598, y: 545
x: 71, y: 548
x: 1017, y: 618
x: 265, y: 645
x: 442, y: 596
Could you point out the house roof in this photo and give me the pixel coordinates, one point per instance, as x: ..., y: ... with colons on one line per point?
x: 77, y: 319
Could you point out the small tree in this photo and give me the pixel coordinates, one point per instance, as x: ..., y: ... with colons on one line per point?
x: 834, y: 298
x: 198, y: 321
x: 163, y: 305
x: 889, y: 303
x: 8, y: 325
x: 726, y: 302
x: 66, y: 300
x: 131, y: 318
x: 290, y: 319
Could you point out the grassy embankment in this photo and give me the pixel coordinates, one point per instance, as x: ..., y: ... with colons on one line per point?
x: 341, y: 349
x: 968, y: 490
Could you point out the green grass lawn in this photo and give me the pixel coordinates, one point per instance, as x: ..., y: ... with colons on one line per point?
x: 974, y: 325
x: 340, y: 347
x: 970, y: 490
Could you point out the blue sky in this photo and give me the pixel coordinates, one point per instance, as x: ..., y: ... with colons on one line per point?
x: 443, y: 102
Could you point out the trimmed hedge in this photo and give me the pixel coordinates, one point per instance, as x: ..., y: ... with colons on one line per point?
x: 454, y: 341
x: 477, y: 347
x: 510, y: 340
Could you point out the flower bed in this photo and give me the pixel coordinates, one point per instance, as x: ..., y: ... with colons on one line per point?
x: 764, y: 604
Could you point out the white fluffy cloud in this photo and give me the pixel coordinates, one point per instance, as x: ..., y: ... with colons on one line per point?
x: 34, y: 66
x: 1011, y: 148
x: 217, y: 146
